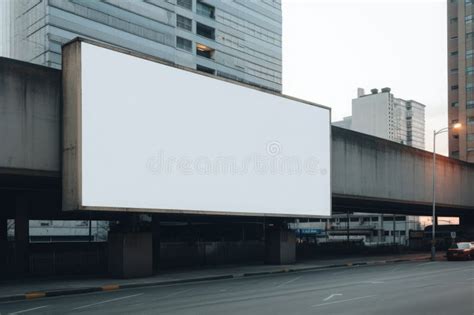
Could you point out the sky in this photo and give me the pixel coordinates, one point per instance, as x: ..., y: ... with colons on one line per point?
x: 332, y: 47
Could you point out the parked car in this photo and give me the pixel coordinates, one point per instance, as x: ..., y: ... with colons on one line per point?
x: 461, y: 251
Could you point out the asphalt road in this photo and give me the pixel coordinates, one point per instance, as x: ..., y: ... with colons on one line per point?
x: 405, y: 288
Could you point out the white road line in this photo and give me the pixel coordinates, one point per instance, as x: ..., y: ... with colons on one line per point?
x: 342, y: 301
x: 107, y: 301
x: 29, y: 310
x: 331, y: 296
x: 427, y: 263
x: 374, y: 282
x: 287, y: 282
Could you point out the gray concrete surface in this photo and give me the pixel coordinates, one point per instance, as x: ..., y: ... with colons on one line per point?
x: 439, y: 287
x: 364, y: 166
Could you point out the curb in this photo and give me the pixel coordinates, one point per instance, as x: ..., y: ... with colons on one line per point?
x: 115, y: 287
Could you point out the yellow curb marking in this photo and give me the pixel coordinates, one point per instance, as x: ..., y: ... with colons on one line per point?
x: 110, y: 287
x: 34, y: 295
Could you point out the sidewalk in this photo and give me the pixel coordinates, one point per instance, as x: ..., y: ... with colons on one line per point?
x: 37, y: 288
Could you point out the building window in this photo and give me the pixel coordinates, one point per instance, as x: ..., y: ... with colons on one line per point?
x: 204, y: 51
x: 188, y: 4
x: 184, y: 22
x: 469, y: 53
x: 453, y: 71
x: 470, y: 104
x: 183, y: 43
x: 469, y: 87
x: 470, y: 137
x: 354, y: 219
x: 469, y: 70
x: 455, y: 154
x: 456, y: 136
x: 205, y: 9
x: 205, y: 31
x: 205, y: 69
x: 454, y: 53
x: 453, y: 20
x: 455, y: 104
x: 454, y: 37
x: 468, y: 18
x: 454, y: 87
x: 470, y: 120
x: 454, y: 121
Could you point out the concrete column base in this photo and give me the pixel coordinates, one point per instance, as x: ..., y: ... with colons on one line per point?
x: 155, y: 229
x: 22, y: 234
x: 280, y: 246
x: 130, y: 254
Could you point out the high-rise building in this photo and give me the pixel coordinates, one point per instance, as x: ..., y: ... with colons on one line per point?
x: 239, y: 40
x: 382, y: 115
x: 461, y: 78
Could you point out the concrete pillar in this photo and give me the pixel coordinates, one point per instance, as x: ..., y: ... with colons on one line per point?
x: 3, y: 244
x: 156, y: 243
x: 22, y: 234
x: 280, y: 246
x: 130, y: 254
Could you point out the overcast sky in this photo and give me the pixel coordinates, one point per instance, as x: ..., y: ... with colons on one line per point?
x: 332, y: 47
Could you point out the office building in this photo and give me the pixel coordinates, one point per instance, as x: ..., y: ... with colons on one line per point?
x: 239, y: 40
x: 382, y: 115
x: 461, y: 78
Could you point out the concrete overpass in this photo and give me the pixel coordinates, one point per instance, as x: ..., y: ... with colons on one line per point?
x: 368, y: 173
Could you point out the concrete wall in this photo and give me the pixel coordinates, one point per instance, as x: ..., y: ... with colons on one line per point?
x: 29, y: 116
x: 366, y: 166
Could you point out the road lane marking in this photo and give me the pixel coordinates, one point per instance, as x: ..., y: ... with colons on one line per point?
x: 427, y: 263
x: 287, y: 282
x: 331, y: 296
x: 107, y: 301
x: 29, y: 310
x: 374, y: 282
x: 342, y: 301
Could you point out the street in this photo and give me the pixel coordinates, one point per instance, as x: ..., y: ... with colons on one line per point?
x: 425, y: 287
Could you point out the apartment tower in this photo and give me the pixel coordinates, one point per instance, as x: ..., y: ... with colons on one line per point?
x: 461, y: 78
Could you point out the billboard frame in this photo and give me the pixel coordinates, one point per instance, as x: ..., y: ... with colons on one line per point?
x: 72, y: 133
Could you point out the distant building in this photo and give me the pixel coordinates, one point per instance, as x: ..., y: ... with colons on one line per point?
x: 461, y: 78
x: 382, y: 115
x: 371, y: 229
x: 238, y: 40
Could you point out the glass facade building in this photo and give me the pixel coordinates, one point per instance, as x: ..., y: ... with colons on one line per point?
x: 239, y: 39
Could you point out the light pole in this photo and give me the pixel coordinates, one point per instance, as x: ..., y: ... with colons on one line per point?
x: 433, y: 220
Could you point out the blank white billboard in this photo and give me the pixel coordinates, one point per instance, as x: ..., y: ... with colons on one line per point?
x: 156, y: 138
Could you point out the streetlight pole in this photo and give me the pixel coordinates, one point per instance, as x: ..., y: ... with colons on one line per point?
x: 433, y: 219
x: 433, y: 224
